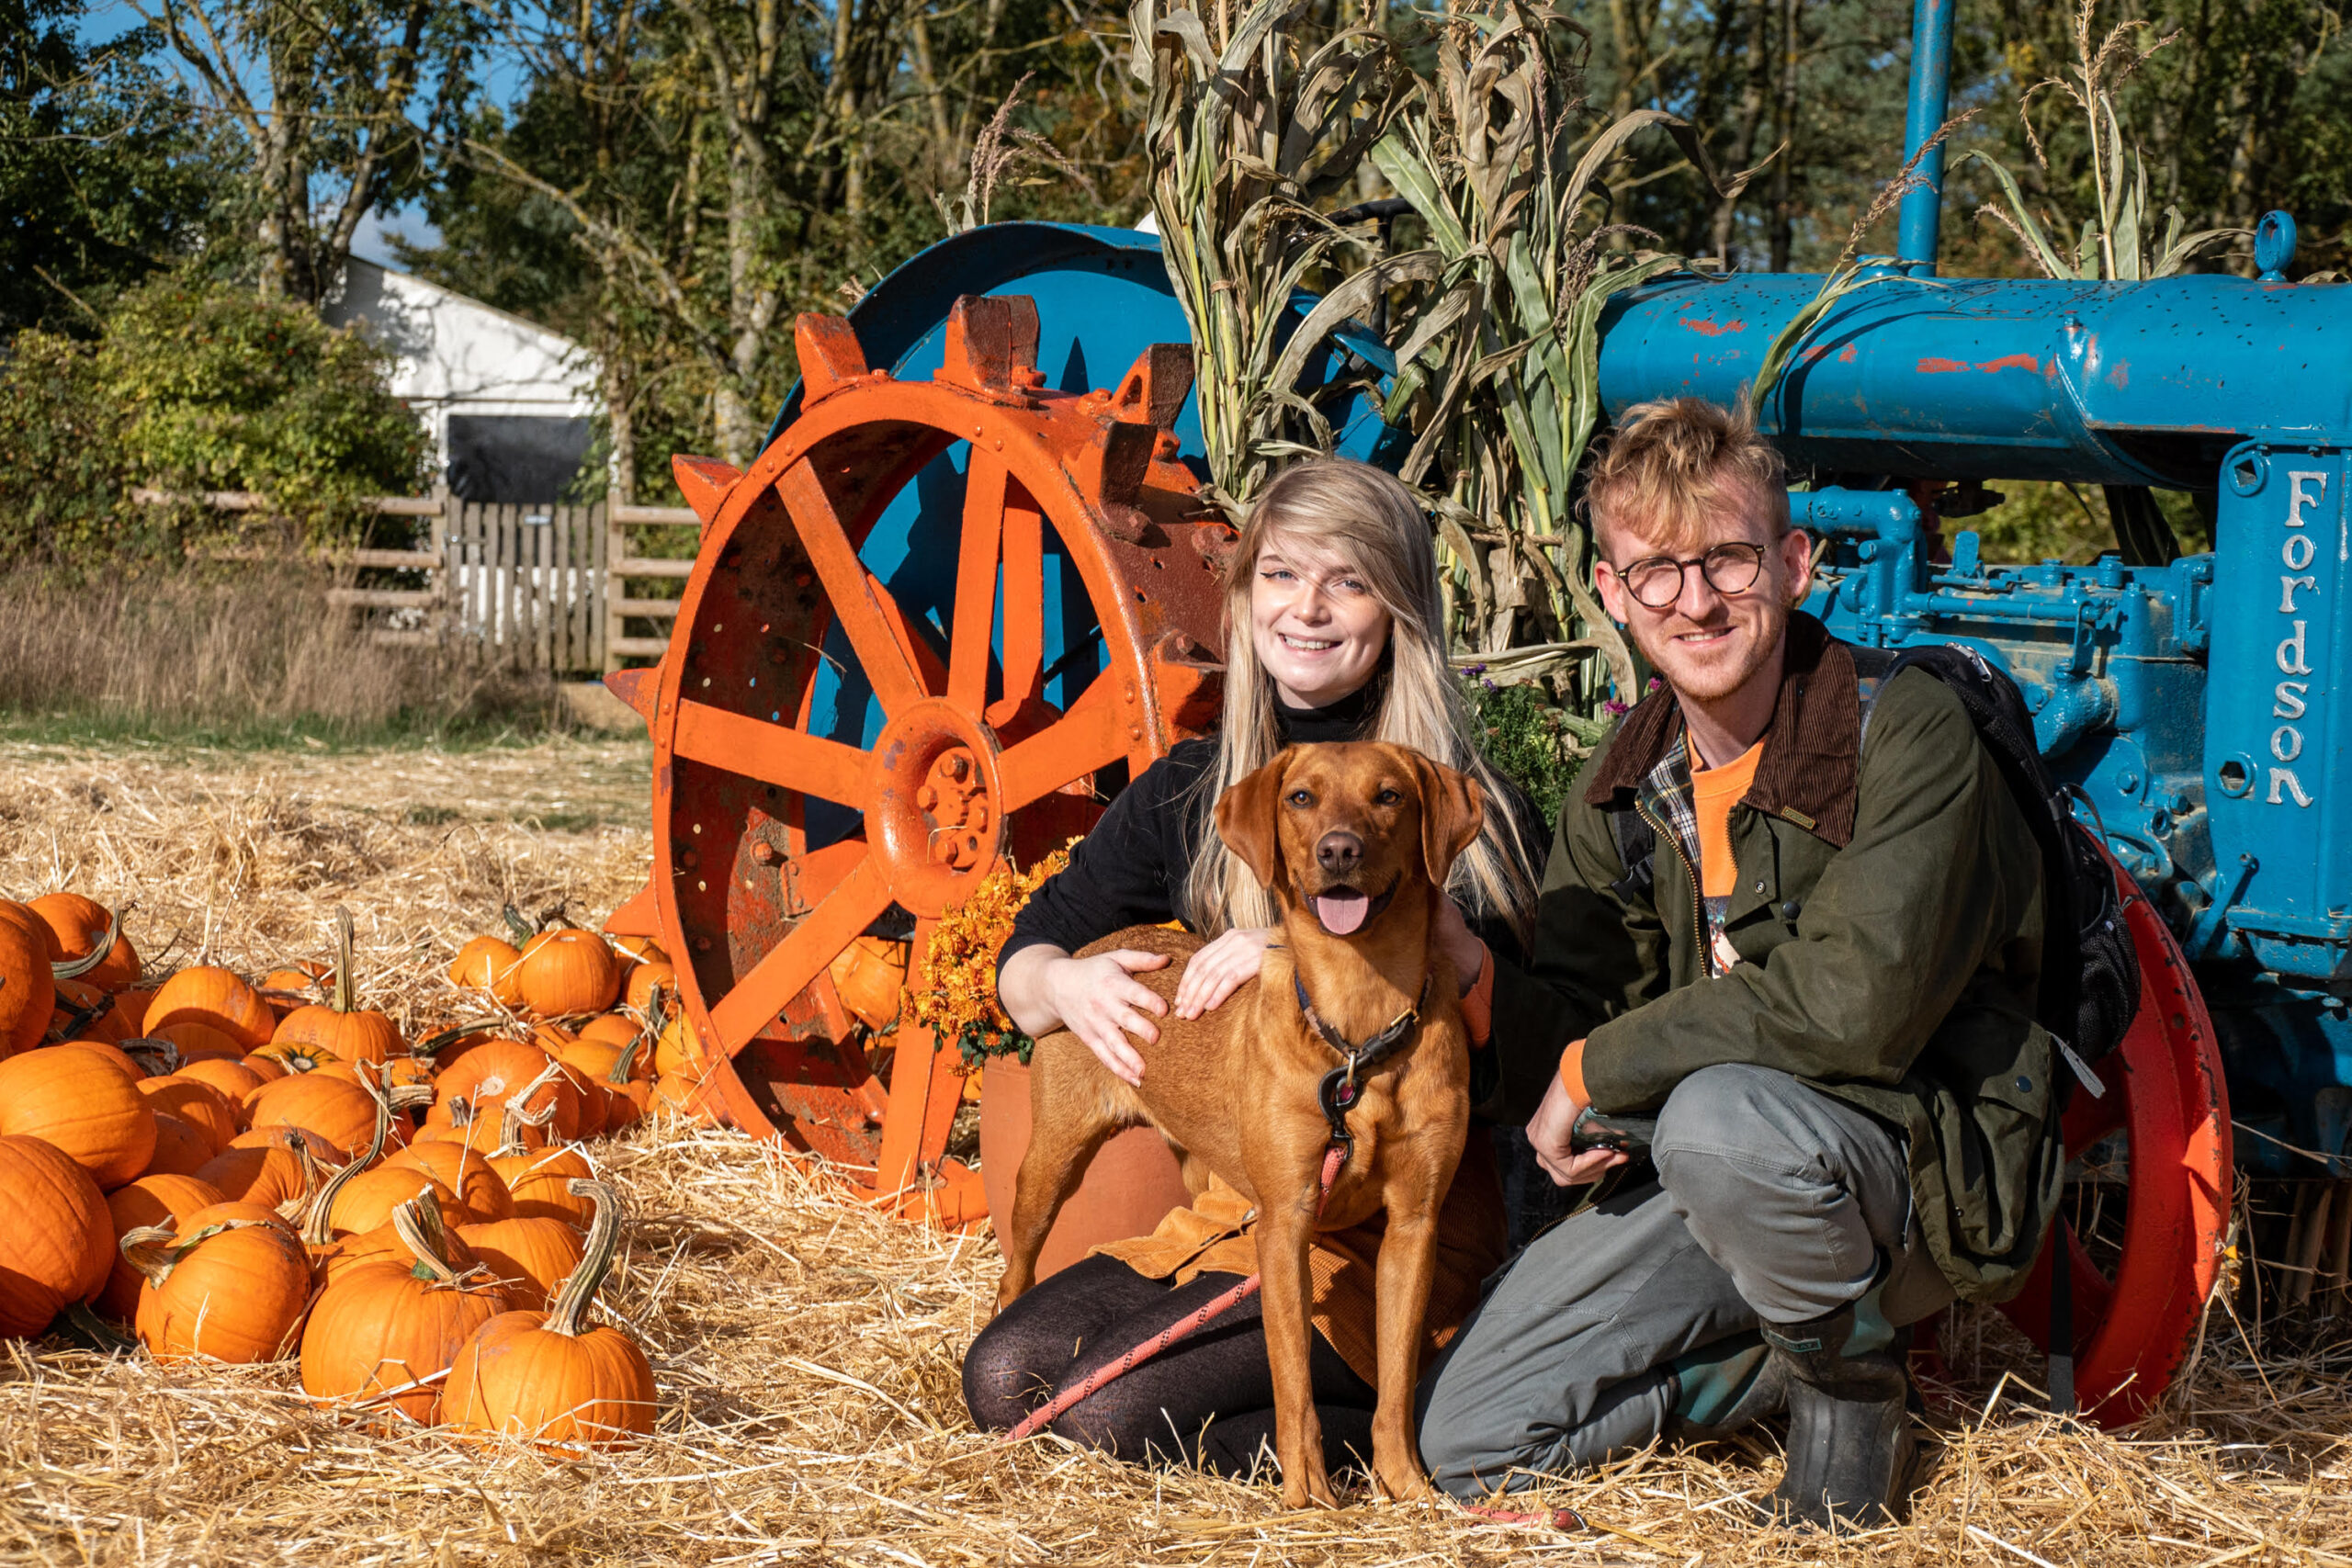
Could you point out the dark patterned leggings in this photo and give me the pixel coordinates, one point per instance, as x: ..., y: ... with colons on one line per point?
x: 1207, y: 1402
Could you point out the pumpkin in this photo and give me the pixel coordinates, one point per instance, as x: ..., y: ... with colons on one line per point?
x: 114, y: 1056
x: 55, y: 1235
x: 279, y: 1169
x: 549, y: 1377
x: 294, y: 1057
x: 487, y: 964
x: 180, y: 1149
x: 149, y: 1201
x: 228, y: 1210
x: 234, y: 1289
x: 200, y: 1041
x: 677, y: 1049
x: 344, y: 1254
x: 569, y: 971
x: 368, y: 1199
x: 294, y: 985
x: 614, y: 1029
x: 318, y: 1148
x: 72, y: 1097
x: 648, y: 981
x: 481, y: 1192
x: 263, y: 1068
x: 87, y: 931
x: 540, y: 1181
x: 342, y: 1114
x: 675, y: 1094
x: 643, y: 949
x: 626, y: 1105
x: 317, y: 1230
x: 233, y: 1079
x: 340, y: 1025
x: 465, y: 1129
x: 134, y: 1000
x: 198, y: 1104
x: 870, y: 974
x: 529, y: 1255
x: 383, y: 1328
x: 28, y: 985
x: 210, y: 996
x: 451, y: 1046
x: 491, y: 1075
x: 153, y: 1058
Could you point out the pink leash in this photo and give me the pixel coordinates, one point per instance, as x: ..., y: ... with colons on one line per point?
x: 1184, y: 1328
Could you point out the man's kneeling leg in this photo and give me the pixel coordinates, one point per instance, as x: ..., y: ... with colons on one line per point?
x: 1805, y: 1202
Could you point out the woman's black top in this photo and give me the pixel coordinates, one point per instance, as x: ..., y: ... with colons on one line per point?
x: 1131, y: 870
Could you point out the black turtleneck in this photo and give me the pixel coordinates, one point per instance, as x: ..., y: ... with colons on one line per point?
x: 1130, y: 871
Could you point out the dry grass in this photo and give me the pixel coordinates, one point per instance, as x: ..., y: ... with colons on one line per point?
x: 807, y: 1351
x: 240, y: 648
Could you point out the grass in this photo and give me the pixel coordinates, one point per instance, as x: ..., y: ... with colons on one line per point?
x: 244, y: 659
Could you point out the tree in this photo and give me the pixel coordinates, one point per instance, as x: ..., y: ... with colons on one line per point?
x: 343, y: 106
x: 101, y: 180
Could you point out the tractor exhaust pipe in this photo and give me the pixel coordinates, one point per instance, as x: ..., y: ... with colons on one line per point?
x: 1921, y: 216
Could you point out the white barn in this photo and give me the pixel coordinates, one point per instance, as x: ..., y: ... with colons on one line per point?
x: 508, y: 402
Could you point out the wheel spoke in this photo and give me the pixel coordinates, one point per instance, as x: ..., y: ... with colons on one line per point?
x: 1024, y: 604
x: 1091, y: 736
x: 856, y: 597
x: 801, y: 956
x: 968, y: 646
x: 773, y: 753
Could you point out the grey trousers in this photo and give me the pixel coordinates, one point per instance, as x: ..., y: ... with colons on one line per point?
x: 1773, y: 1201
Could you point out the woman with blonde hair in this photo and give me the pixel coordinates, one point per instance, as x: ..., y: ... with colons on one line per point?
x: 1334, y: 632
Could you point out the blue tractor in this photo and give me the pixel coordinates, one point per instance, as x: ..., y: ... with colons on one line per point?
x: 966, y: 590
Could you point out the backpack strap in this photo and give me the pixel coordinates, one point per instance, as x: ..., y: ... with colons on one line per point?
x: 1636, y: 851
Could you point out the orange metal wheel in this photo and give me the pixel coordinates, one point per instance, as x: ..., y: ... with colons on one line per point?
x: 833, y: 764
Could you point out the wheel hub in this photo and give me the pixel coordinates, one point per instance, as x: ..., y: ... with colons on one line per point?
x: 935, y: 824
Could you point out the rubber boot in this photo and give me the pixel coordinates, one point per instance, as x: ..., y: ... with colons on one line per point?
x: 1727, y: 1384
x: 1850, y: 1432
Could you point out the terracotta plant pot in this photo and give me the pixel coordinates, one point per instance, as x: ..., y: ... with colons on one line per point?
x: 1133, y: 1182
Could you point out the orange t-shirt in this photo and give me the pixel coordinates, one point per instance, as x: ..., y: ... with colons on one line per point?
x: 1713, y: 792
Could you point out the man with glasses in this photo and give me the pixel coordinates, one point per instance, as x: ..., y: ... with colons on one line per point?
x: 1796, y: 918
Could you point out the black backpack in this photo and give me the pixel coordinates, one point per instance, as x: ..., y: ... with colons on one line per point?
x: 2090, y: 974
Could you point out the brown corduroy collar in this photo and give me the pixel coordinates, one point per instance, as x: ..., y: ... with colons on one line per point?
x: 1810, y: 748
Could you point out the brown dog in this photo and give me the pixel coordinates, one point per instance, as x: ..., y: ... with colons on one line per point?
x: 1354, y: 842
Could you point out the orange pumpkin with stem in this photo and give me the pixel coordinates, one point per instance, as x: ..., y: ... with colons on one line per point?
x: 74, y: 1098
x: 648, y: 982
x: 342, y: 1113
x: 234, y: 1289
x: 383, y: 1328
x: 199, y: 1042
x: 341, y: 1026
x: 529, y: 1255
x: 569, y: 971
x: 540, y: 1181
x: 233, y: 1079
x: 55, y: 1242
x: 114, y: 1056
x: 550, y: 1378
x: 641, y: 949
x: 281, y: 1169
x: 349, y: 1252
x: 508, y: 1069
x: 149, y: 1201
x: 87, y: 931
x: 214, y: 998
x: 487, y: 964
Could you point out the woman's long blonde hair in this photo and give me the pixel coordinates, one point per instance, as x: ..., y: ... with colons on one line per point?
x: 1367, y: 521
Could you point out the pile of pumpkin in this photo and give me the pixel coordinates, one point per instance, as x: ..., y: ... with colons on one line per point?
x: 248, y: 1171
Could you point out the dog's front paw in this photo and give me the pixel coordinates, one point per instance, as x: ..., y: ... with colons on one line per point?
x: 1310, y: 1490
x: 1404, y: 1483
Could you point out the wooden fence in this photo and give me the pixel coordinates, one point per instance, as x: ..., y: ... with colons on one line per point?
x: 543, y: 586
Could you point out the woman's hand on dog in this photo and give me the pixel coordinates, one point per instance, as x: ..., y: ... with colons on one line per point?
x: 1218, y: 970
x: 1097, y: 1000
x: 1551, y: 1133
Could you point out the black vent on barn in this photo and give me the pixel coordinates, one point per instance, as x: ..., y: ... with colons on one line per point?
x: 511, y: 459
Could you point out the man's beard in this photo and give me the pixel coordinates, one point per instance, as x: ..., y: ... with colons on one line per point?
x: 1711, y: 681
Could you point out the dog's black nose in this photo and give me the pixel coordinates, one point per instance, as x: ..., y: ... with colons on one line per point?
x: 1338, y: 852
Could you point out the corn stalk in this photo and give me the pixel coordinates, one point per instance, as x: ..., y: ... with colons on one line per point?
x: 1498, y: 357
x: 1248, y: 127
x: 2119, y: 243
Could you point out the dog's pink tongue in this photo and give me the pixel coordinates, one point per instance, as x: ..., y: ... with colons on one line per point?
x: 1341, y: 913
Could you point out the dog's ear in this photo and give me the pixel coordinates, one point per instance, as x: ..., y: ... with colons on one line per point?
x: 1452, y: 808
x: 1246, y: 819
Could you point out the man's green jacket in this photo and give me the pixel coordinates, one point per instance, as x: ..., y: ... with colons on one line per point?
x: 1888, y: 921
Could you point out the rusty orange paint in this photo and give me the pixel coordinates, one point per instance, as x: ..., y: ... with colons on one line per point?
x: 2012, y: 362
x: 1714, y: 329
x: 1941, y: 367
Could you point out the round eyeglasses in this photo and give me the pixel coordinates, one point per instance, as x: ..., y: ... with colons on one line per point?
x: 1730, y: 568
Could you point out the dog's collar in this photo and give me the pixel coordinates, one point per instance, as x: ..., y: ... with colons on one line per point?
x: 1338, y: 1091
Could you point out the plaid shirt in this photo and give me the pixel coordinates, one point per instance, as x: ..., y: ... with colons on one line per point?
x: 1664, y: 795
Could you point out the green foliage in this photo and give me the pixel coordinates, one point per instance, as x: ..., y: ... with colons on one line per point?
x: 1531, y: 740
x: 192, y: 388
